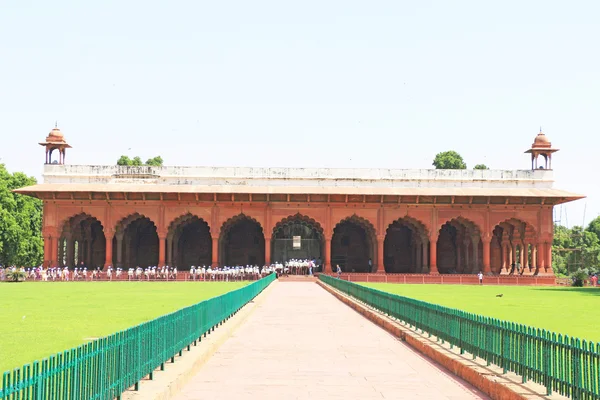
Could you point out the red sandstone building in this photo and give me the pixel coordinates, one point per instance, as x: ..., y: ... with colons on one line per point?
x: 404, y: 221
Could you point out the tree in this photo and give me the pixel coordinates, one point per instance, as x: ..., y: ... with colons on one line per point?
x: 137, y: 161
x: 155, y: 162
x: 449, y: 160
x: 124, y: 160
x: 594, y: 226
x: 20, y: 222
x: 480, y: 166
x: 575, y: 249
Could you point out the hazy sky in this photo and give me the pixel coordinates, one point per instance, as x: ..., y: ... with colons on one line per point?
x: 362, y: 84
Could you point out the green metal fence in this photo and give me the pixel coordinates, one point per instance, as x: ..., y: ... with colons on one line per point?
x: 105, y: 368
x: 568, y: 366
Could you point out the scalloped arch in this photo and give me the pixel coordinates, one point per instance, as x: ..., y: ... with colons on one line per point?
x: 412, y: 223
x: 299, y: 217
x: 360, y: 221
x: 122, y: 225
x: 184, y: 219
x: 230, y: 223
x: 462, y: 222
x: 519, y: 224
x: 77, y: 218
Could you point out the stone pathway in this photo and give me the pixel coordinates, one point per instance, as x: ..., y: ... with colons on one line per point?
x: 302, y: 343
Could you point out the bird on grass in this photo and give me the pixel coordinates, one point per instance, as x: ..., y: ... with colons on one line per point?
x: 499, y: 295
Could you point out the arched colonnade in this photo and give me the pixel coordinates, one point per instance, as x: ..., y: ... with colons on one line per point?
x: 459, y: 246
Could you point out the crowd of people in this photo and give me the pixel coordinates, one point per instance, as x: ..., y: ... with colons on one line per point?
x: 166, y: 273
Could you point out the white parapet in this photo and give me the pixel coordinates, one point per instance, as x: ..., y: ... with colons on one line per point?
x: 298, y: 177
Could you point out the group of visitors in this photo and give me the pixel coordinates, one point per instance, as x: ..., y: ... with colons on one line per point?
x: 154, y: 273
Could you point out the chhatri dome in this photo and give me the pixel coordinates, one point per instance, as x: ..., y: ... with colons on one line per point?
x: 55, y: 141
x: 541, y: 147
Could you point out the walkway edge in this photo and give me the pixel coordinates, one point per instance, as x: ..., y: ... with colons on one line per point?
x: 495, y: 385
x: 167, y: 384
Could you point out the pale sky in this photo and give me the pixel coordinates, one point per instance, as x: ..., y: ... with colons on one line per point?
x: 360, y: 84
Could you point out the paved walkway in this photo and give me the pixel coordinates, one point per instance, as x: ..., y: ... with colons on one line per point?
x: 302, y: 343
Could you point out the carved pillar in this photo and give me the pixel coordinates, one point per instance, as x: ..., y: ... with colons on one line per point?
x: 526, y: 254
x: 548, y: 257
x: 380, y: 256
x: 88, y: 252
x: 70, y: 251
x: 119, y: 243
x: 475, y: 242
x: 534, y: 262
x: 418, y: 255
x: 467, y: 266
x: 268, y: 250
x: 48, y: 240
x: 109, y: 248
x: 424, y: 252
x: 541, y: 259
x: 486, y: 241
x: 327, y: 267
x: 215, y: 252
x: 162, y: 249
x: 170, y: 249
x: 433, y: 254
x: 459, y: 254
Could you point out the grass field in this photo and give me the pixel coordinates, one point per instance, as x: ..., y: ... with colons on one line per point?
x: 570, y: 311
x: 40, y: 319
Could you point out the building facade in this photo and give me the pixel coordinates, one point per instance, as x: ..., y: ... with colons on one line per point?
x: 365, y: 220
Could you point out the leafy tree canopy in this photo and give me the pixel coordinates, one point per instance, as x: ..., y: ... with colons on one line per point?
x: 575, y: 249
x: 449, y: 160
x: 137, y: 161
x: 480, y: 166
x: 20, y: 222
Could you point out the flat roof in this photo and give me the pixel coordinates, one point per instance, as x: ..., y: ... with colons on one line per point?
x: 560, y: 195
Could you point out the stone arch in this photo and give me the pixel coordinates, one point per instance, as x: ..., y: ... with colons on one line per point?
x: 241, y: 242
x: 513, y: 248
x: 406, y: 246
x: 82, y: 242
x: 189, y: 242
x: 136, y: 242
x: 311, y: 243
x: 353, y: 244
x: 459, y: 247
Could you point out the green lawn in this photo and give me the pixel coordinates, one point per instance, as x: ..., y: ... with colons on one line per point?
x: 40, y: 319
x: 570, y: 311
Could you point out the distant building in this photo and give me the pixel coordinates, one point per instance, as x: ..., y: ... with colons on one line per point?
x: 405, y: 221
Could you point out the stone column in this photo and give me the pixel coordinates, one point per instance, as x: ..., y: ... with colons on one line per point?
x: 475, y: 243
x: 215, y: 252
x: 459, y: 253
x: 468, y: 267
x: 534, y: 262
x: 109, y: 248
x: 119, y: 237
x: 89, y: 250
x: 70, y: 252
x: 162, y: 249
x: 327, y: 267
x: 433, y: 255
x: 424, y: 253
x: 541, y: 261
x: 418, y: 255
x: 380, y: 255
x: 548, y: 257
x: 268, y: 250
x: 486, y: 241
x: 170, y: 249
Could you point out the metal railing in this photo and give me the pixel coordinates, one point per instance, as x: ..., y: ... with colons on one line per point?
x: 568, y: 366
x: 106, y: 367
